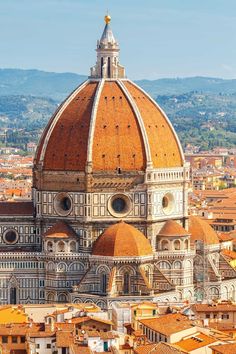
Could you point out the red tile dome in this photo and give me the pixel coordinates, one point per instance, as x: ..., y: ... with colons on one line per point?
x: 172, y: 229
x: 122, y: 240
x: 108, y: 124
x: 201, y: 231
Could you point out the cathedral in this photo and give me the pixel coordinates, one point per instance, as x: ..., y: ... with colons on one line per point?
x: 108, y: 220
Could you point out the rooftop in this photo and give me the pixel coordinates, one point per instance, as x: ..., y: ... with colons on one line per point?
x: 168, y: 324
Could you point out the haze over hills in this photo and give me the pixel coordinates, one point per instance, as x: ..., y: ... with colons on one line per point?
x: 38, y: 83
x: 59, y: 85
x: 202, y: 110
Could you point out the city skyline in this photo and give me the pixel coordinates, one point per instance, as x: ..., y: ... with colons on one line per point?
x: 58, y: 35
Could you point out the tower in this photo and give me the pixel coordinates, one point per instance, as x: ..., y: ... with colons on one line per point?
x: 107, y: 65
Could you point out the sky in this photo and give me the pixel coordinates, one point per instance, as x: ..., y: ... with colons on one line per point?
x: 158, y: 38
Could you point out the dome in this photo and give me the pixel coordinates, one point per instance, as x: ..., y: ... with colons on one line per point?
x: 127, y: 130
x: 122, y: 240
x: 173, y: 229
x: 201, y: 231
x: 60, y: 230
x: 108, y: 123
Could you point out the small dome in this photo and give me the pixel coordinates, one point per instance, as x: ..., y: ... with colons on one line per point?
x: 60, y: 230
x: 173, y: 229
x: 122, y: 240
x: 201, y: 231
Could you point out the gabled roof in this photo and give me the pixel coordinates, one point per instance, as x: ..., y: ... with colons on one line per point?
x: 159, y: 348
x: 224, y: 348
x: 196, y: 341
x: 168, y: 324
x: 60, y: 230
x: 229, y: 254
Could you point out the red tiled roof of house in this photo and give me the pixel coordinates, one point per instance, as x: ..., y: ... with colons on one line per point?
x: 196, y: 341
x: 224, y: 348
x: 168, y: 324
x: 225, y: 307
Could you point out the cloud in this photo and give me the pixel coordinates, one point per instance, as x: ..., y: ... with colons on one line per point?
x: 227, y: 67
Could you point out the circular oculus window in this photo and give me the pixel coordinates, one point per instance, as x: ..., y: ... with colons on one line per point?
x: 10, y: 236
x: 63, y: 204
x: 168, y: 203
x: 119, y: 205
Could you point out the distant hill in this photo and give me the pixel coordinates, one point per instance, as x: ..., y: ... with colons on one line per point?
x: 182, y: 85
x: 38, y: 83
x: 25, y: 112
x: 202, y: 110
x: 58, y: 85
x: 203, y: 119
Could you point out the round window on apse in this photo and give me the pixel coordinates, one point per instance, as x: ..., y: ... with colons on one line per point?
x: 10, y: 236
x: 168, y: 203
x: 63, y: 204
x: 119, y: 205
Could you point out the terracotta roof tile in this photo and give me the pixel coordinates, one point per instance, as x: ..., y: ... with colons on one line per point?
x: 118, y: 141
x: 214, y: 308
x: 120, y: 240
x: 60, y: 230
x: 70, y: 134
x: 201, y: 230
x: 172, y: 228
x: 160, y: 348
x: 158, y: 131
x: 228, y: 253
x: 224, y: 348
x: 196, y: 341
x: 168, y: 324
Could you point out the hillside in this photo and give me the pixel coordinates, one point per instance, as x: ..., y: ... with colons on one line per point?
x: 38, y: 83
x: 206, y: 120
x: 59, y: 85
x: 202, y: 110
x: 179, y: 86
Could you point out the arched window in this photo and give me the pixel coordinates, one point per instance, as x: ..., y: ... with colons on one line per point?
x: 186, y: 244
x: 61, y: 247
x: 177, y: 245
x: 61, y: 267
x: 147, y: 273
x: 50, y: 298
x: 164, y: 265
x: 101, y: 67
x: 165, y: 245
x: 50, y: 246
x: 126, y: 283
x: 177, y: 265
x: 73, y: 246
x: 214, y: 292
x: 103, y: 284
x: 188, y: 265
x: 62, y: 298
